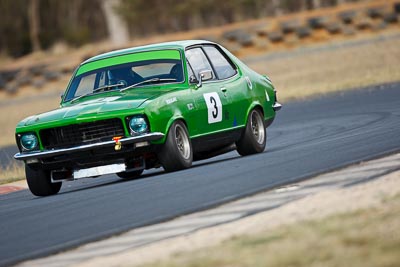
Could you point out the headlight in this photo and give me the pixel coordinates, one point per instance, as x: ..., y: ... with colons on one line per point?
x: 138, y: 125
x: 29, y: 141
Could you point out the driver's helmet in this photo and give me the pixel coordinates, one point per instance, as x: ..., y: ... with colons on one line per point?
x: 124, y: 76
x: 176, y: 72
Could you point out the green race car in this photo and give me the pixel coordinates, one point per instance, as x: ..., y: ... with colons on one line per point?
x: 159, y: 105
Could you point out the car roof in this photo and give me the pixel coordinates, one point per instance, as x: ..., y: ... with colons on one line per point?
x: 179, y: 45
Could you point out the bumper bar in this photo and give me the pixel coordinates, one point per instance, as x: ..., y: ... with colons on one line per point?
x: 277, y: 106
x: 55, y: 152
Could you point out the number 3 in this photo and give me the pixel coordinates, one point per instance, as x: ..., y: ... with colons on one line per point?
x: 213, y: 101
x: 214, y: 107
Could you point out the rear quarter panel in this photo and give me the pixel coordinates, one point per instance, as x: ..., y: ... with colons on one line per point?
x: 262, y: 92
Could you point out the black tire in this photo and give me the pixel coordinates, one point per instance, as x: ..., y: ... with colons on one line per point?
x: 254, y: 137
x: 130, y: 175
x: 39, y: 182
x: 177, y: 153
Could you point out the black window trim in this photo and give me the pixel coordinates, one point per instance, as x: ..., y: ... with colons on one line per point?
x: 68, y: 89
x: 195, y: 74
x: 225, y: 56
x: 201, y: 46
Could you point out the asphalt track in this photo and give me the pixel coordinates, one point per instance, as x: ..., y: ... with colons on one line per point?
x: 307, y: 138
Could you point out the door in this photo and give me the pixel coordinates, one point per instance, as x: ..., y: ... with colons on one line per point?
x: 212, y: 103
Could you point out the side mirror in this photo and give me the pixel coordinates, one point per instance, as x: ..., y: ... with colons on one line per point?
x: 61, y: 98
x: 193, y: 79
x: 204, y: 75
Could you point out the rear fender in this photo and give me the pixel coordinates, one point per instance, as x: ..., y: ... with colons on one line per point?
x: 255, y: 105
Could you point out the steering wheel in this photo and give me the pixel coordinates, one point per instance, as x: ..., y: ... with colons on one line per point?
x: 123, y: 83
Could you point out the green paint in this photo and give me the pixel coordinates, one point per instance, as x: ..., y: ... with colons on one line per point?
x: 163, y: 104
x: 150, y: 55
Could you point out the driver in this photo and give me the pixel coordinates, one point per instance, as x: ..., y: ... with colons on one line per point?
x: 124, y: 76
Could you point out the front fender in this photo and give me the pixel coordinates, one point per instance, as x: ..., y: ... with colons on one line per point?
x: 165, y: 126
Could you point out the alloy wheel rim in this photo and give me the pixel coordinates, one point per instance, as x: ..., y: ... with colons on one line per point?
x: 257, y: 127
x: 182, y: 142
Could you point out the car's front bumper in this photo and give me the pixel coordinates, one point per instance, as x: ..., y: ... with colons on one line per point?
x: 138, y: 140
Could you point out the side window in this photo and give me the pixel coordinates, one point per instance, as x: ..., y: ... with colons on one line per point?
x: 222, y: 66
x: 198, y: 61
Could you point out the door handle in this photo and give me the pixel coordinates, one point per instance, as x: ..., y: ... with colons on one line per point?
x: 223, y: 89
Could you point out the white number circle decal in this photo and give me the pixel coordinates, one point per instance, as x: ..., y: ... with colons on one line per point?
x: 214, y: 107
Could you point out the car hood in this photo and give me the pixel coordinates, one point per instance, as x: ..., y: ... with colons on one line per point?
x: 94, y: 106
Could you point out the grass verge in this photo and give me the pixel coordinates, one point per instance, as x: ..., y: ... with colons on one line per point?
x: 12, y: 173
x: 12, y: 114
x: 334, y: 69
x: 369, y: 237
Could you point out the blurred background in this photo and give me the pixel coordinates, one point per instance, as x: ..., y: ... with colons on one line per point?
x: 307, y: 47
x: 33, y: 25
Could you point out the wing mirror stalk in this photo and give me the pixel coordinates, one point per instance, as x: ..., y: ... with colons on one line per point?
x: 204, y: 75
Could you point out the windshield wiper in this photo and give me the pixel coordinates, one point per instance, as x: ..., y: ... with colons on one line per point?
x: 107, y: 87
x: 102, y: 88
x: 147, y: 81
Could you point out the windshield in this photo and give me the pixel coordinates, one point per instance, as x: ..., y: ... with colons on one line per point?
x: 126, y: 71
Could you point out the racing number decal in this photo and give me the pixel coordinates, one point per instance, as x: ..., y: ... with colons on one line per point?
x: 214, y: 107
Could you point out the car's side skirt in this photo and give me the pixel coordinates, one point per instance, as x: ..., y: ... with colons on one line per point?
x: 217, y: 140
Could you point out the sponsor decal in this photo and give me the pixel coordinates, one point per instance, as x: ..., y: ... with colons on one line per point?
x: 190, y: 106
x: 267, y: 96
x: 171, y: 100
x: 249, y: 83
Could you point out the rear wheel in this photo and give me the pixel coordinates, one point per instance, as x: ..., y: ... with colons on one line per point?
x: 254, y: 137
x: 39, y: 182
x: 176, y: 153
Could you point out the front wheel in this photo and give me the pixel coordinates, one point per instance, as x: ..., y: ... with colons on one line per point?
x: 130, y: 175
x: 39, y: 182
x: 177, y: 153
x: 254, y: 137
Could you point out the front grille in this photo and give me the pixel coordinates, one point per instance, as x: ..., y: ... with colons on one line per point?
x: 81, y: 134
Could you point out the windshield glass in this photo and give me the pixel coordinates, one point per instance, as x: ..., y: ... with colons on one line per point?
x: 116, y: 73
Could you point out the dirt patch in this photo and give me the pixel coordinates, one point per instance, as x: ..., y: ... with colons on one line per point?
x: 313, y: 207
